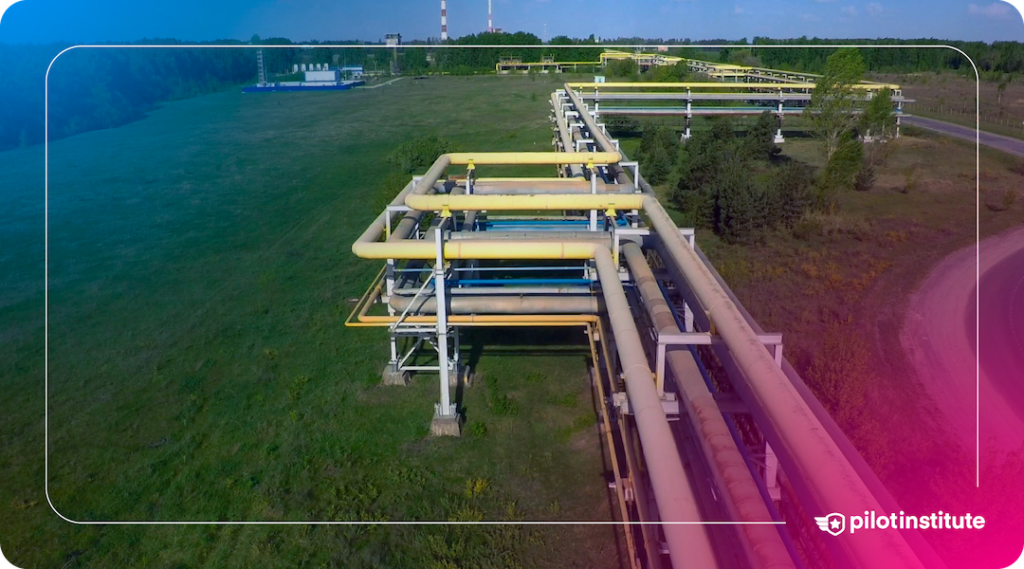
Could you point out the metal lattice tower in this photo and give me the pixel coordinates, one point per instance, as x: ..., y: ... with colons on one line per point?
x: 261, y: 68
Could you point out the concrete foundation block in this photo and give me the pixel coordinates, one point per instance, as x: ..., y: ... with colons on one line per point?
x: 779, y: 139
x: 392, y: 376
x: 446, y: 426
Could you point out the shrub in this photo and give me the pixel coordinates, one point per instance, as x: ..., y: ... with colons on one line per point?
x: 792, y: 183
x: 759, y: 143
x: 658, y: 148
x: 911, y: 179
x: 477, y: 429
x: 865, y: 179
x: 622, y: 68
x: 419, y: 153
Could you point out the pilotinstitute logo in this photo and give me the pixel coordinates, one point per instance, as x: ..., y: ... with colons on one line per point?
x: 835, y: 523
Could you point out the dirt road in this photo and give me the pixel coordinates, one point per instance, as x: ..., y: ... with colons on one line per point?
x: 938, y: 338
x: 999, y: 142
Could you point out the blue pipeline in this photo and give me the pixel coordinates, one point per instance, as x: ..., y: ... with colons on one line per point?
x: 465, y: 269
x: 507, y: 282
x: 762, y: 488
x: 535, y: 222
x: 550, y: 223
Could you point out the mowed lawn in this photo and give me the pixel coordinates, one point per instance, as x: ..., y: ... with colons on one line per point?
x: 199, y: 275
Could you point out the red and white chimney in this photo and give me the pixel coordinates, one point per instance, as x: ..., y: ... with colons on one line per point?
x: 444, y: 20
x: 490, y: 19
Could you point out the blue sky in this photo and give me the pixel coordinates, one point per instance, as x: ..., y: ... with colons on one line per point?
x: 81, y: 21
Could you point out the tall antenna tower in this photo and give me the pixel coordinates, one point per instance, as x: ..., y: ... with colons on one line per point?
x: 490, y: 19
x: 444, y: 20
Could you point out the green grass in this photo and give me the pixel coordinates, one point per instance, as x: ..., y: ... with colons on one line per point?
x: 199, y: 367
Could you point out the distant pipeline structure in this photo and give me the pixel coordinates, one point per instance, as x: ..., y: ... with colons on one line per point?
x: 317, y: 77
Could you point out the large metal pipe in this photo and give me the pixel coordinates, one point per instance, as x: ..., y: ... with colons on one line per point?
x: 540, y: 158
x: 575, y: 171
x: 707, y: 85
x: 529, y: 202
x: 742, y: 498
x: 688, y: 544
x: 499, y: 304
x: 544, y: 234
x: 474, y: 249
x: 501, y: 291
x: 809, y: 453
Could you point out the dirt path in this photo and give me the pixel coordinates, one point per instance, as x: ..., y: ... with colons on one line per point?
x: 381, y: 84
x: 939, y: 348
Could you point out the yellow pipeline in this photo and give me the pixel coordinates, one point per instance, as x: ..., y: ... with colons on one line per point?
x: 510, y: 158
x: 716, y: 85
x: 524, y: 180
x: 524, y: 202
x: 476, y: 250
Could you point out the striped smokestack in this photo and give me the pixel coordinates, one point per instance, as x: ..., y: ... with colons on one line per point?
x: 444, y: 20
x: 490, y: 20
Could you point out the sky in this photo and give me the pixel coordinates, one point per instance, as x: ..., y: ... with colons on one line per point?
x: 84, y: 21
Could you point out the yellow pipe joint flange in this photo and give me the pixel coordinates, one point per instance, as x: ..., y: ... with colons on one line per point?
x: 445, y: 212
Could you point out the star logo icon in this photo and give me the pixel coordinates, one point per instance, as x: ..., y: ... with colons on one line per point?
x: 833, y: 523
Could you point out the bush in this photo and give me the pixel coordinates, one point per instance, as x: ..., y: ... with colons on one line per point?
x: 911, y: 179
x: 759, y: 143
x: 865, y: 179
x: 622, y: 68
x: 658, y: 148
x: 735, y: 197
x: 792, y: 184
x: 420, y: 153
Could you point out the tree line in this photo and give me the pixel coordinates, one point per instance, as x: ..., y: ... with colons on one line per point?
x: 997, y: 57
x: 95, y: 89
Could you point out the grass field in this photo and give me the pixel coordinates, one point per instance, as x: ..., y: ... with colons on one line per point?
x: 200, y: 273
